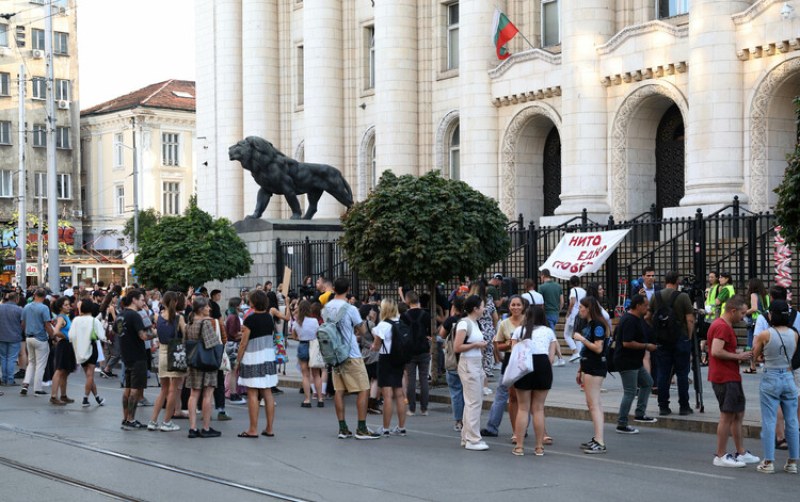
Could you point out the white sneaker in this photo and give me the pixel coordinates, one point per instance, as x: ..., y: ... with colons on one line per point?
x: 169, y: 427
x: 479, y: 446
x: 487, y: 391
x: 152, y: 426
x: 383, y: 432
x: 396, y: 431
x: 575, y: 357
x: 560, y: 362
x: 728, y: 461
x: 747, y: 458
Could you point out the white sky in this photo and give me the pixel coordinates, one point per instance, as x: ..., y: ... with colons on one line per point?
x: 125, y: 45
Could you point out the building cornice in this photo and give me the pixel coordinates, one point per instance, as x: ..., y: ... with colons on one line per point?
x: 523, y: 57
x: 752, y: 12
x: 524, y: 97
x: 768, y: 49
x: 645, y: 74
x: 642, y: 29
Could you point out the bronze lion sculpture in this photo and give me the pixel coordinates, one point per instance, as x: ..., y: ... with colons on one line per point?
x: 276, y: 173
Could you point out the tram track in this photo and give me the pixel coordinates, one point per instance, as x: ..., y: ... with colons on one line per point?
x: 208, y: 478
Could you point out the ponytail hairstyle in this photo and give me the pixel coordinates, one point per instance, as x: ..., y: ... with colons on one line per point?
x: 170, y: 301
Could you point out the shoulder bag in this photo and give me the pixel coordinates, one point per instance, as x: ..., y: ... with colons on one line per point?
x: 201, y: 358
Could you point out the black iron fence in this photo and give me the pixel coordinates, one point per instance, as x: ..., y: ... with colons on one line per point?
x: 731, y: 239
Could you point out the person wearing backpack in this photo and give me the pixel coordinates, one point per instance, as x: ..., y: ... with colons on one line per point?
x: 448, y: 333
x: 390, y: 371
x: 632, y: 345
x: 469, y: 344
x: 759, y: 303
x: 672, y: 318
x: 777, y: 389
x: 593, y: 368
x: 418, y: 321
x: 349, y: 377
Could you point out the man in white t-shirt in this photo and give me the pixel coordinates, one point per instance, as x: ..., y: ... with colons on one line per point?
x: 350, y: 377
x: 532, y: 296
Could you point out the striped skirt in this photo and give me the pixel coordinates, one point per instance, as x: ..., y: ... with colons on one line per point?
x: 258, y: 370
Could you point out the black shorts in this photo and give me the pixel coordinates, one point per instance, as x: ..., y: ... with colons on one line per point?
x: 136, y: 375
x: 541, y: 378
x: 594, y: 366
x: 65, y: 356
x: 92, y: 359
x: 372, y: 370
x: 730, y: 396
x: 389, y: 375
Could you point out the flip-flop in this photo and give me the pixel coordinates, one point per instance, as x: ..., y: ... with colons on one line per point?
x: 268, y: 434
x: 518, y: 452
x: 547, y: 440
x: 750, y: 371
x: 246, y: 435
x: 539, y: 452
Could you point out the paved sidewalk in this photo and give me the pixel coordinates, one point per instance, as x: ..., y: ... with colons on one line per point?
x: 566, y: 400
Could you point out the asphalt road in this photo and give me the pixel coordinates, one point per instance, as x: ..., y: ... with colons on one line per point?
x: 71, y: 453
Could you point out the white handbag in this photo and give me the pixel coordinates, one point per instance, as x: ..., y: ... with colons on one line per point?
x: 520, y: 363
x: 315, y: 359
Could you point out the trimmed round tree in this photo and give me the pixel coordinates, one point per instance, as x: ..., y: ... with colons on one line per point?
x: 787, y: 209
x: 189, y: 250
x: 424, y: 230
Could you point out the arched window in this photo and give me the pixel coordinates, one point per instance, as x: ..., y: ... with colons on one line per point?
x: 455, y: 154
x: 372, y: 179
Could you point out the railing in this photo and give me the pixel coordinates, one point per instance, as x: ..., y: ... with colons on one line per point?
x: 730, y: 239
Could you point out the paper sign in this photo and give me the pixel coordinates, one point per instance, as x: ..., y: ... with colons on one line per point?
x: 582, y: 253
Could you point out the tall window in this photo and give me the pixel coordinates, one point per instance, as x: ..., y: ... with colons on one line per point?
x: 39, y: 136
x: 551, y: 23
x: 5, y: 83
x: 64, y: 186
x: 37, y: 39
x: 62, y: 138
x: 119, y: 200
x: 40, y: 185
x: 669, y: 8
x: 6, y: 184
x: 370, y: 36
x: 170, y: 148
x: 3, y: 35
x: 39, y: 88
x: 60, y: 43
x: 455, y: 154
x: 452, y: 36
x: 300, y: 76
x: 119, y: 159
x: 172, y: 197
x: 62, y: 89
x: 5, y: 132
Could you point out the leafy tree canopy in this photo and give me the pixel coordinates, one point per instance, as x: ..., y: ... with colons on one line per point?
x: 188, y: 250
x: 787, y: 210
x: 424, y: 230
x: 148, y: 218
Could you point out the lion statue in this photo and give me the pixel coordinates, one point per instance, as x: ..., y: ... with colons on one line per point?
x: 276, y: 173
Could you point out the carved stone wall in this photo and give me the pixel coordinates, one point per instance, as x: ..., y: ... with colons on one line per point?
x: 619, y: 138
x: 509, y: 146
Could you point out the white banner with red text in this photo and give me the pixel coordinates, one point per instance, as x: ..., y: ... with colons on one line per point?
x: 581, y: 254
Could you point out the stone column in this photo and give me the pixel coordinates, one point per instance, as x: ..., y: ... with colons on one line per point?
x: 260, y: 88
x: 396, y: 131
x: 714, y: 128
x: 219, y: 101
x: 584, y: 136
x: 324, y: 95
x: 477, y: 115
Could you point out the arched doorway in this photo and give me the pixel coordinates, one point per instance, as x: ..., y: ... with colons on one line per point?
x: 670, y: 160
x: 551, y: 167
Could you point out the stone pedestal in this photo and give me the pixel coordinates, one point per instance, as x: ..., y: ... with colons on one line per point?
x: 261, y: 236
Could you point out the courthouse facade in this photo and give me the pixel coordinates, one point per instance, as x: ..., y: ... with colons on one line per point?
x: 614, y: 105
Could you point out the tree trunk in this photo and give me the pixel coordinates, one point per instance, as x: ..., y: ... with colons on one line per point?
x: 435, y: 380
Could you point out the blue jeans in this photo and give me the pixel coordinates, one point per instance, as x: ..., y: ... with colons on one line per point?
x: 631, y: 380
x: 777, y: 388
x: 669, y: 359
x: 552, y: 320
x: 498, y: 408
x: 456, y: 394
x: 8, y: 359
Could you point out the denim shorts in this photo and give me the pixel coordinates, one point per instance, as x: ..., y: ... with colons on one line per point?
x: 302, y: 352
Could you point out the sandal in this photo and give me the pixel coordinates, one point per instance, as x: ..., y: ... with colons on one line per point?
x: 781, y: 444
x: 513, y: 439
x: 750, y: 371
x: 268, y: 434
x: 305, y: 405
x: 538, y: 451
x: 547, y: 440
x: 246, y: 435
x: 518, y: 452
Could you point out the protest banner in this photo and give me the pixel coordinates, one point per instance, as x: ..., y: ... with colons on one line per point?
x: 582, y: 253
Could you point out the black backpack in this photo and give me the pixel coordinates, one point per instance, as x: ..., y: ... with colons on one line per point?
x: 419, y: 333
x: 611, y: 348
x: 402, y: 343
x: 665, y: 326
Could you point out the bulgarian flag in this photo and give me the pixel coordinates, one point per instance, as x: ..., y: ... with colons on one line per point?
x: 504, y: 30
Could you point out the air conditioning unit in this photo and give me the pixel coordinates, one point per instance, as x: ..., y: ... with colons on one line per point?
x: 5, y: 51
x: 77, y: 213
x: 38, y: 54
x: 63, y: 104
